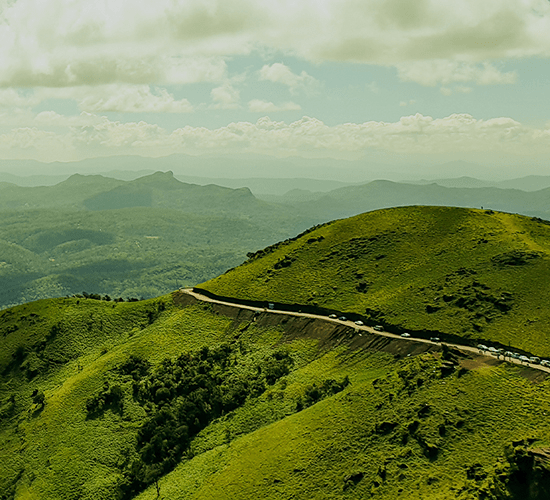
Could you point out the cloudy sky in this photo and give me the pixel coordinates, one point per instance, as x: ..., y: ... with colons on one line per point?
x: 434, y: 79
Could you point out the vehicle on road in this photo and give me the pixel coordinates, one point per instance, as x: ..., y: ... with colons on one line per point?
x: 406, y: 335
x: 435, y: 339
x: 545, y: 362
x: 359, y: 323
x: 493, y: 350
x: 333, y: 316
x: 535, y: 359
x: 525, y: 359
x: 482, y: 347
x: 379, y: 328
x: 343, y: 318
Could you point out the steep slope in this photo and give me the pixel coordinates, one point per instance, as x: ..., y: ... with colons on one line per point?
x: 92, y: 395
x: 433, y: 270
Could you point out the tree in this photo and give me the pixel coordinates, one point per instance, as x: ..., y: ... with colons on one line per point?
x: 38, y: 397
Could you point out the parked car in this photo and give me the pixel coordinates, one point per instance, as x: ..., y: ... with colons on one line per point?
x: 379, y: 328
x: 435, y: 339
x: 482, y: 347
x: 333, y: 316
x: 493, y: 350
x: 545, y: 362
x: 342, y: 318
x: 359, y: 323
x: 524, y: 359
x: 515, y: 355
x: 406, y: 335
x: 535, y: 359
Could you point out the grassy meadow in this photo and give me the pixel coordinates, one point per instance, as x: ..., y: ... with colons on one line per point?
x: 334, y: 423
x: 476, y: 274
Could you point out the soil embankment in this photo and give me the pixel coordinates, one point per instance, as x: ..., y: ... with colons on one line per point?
x: 295, y: 325
x: 332, y: 333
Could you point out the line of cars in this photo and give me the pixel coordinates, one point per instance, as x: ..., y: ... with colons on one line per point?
x: 514, y: 355
x: 379, y: 328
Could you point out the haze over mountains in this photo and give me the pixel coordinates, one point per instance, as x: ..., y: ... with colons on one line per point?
x: 51, y: 235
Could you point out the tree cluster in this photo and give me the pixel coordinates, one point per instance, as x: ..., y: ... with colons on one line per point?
x: 183, y: 396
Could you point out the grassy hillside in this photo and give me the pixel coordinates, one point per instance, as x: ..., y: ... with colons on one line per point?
x: 472, y: 273
x: 84, y: 383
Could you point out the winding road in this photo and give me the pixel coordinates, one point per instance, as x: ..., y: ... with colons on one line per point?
x: 358, y: 328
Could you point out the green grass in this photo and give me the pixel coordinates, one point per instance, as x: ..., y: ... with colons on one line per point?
x: 480, y: 275
x: 267, y: 448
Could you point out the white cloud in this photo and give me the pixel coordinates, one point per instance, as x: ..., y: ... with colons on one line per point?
x: 133, y: 99
x: 373, y: 87
x: 70, y: 43
x: 259, y: 106
x: 436, y: 72
x: 11, y: 98
x: 280, y: 73
x: 407, y: 103
x: 92, y: 135
x: 225, y: 97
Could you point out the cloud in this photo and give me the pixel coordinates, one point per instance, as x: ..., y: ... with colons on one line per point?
x: 373, y: 87
x: 133, y: 99
x: 259, y: 106
x: 436, y: 72
x: 225, y: 97
x: 407, y: 103
x: 280, y: 73
x: 59, y: 43
x: 54, y: 137
x: 461, y: 89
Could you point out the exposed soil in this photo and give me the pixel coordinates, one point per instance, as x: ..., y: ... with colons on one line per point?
x: 331, y: 334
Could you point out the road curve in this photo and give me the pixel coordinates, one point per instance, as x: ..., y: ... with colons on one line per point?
x: 460, y: 347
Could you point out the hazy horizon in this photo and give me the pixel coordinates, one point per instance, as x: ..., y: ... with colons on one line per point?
x: 399, y: 86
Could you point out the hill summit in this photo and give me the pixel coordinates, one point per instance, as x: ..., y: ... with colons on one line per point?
x: 475, y: 274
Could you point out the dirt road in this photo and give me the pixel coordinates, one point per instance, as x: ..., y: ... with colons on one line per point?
x: 361, y: 328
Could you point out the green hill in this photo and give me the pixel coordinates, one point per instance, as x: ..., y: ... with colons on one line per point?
x: 175, y: 398
x: 479, y: 275
x: 103, y: 401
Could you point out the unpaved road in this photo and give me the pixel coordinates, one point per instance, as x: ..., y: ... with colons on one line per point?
x: 358, y: 328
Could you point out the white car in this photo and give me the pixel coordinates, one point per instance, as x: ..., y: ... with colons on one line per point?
x: 406, y: 335
x: 379, y: 328
x: 359, y: 323
x: 333, y: 316
x: 525, y: 359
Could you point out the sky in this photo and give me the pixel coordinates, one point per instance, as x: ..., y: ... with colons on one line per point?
x: 422, y: 81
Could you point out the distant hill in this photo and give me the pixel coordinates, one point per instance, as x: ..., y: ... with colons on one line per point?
x: 460, y: 182
x: 137, y: 238
x: 475, y: 274
x: 352, y: 200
